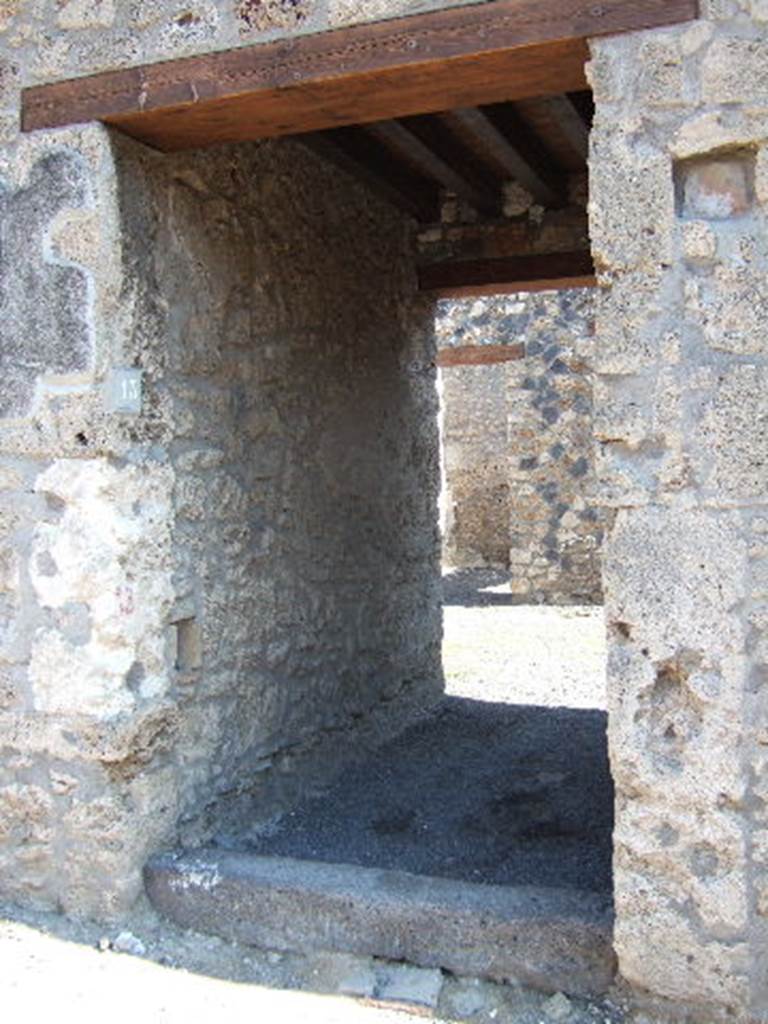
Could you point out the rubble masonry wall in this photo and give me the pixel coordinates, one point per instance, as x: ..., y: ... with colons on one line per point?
x: 679, y: 199
x: 518, y: 450
x: 209, y: 606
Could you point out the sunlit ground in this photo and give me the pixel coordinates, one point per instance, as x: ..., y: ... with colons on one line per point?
x: 552, y: 657
x: 43, y: 978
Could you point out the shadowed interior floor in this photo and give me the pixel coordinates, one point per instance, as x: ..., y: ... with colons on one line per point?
x: 478, y: 840
x: 483, y: 792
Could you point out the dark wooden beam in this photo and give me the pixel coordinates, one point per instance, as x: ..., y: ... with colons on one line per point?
x: 540, y: 272
x: 370, y: 163
x: 408, y: 146
x: 569, y: 124
x: 435, y: 132
x: 464, y: 56
x: 543, y: 167
x: 475, y: 126
x: 565, y: 230
x: 479, y: 355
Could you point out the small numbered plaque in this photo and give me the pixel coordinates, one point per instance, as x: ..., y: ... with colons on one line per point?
x: 122, y: 391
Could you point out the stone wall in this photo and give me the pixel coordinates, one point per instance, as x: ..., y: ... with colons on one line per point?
x: 518, y: 449
x: 475, y: 499
x: 99, y: 756
x: 276, y: 310
x: 211, y: 604
x: 679, y: 208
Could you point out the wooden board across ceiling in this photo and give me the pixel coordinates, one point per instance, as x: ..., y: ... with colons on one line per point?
x: 479, y: 54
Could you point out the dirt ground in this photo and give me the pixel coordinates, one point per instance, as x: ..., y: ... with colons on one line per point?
x: 50, y: 967
x: 148, y: 970
x: 496, y: 649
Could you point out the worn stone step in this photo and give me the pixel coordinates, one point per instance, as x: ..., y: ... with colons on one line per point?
x: 555, y: 940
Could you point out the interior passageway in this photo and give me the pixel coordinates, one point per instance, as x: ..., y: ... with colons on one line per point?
x: 341, y: 799
x: 506, y: 781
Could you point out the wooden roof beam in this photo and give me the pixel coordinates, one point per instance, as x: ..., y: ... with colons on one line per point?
x: 475, y: 126
x: 544, y: 170
x: 570, y: 122
x: 404, y: 143
x: 372, y: 165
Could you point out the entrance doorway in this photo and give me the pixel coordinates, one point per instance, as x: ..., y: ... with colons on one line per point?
x: 319, y: 353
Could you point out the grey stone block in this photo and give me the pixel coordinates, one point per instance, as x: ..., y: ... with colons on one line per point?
x: 555, y: 940
x: 410, y: 986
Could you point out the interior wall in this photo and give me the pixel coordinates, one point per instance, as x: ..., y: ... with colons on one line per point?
x: 518, y: 445
x: 476, y: 475
x: 215, y: 601
x: 277, y: 321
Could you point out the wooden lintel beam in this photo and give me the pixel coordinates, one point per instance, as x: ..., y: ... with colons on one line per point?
x: 408, y: 146
x: 370, y: 164
x: 463, y: 56
x: 480, y: 355
x: 536, y: 272
x: 474, y: 125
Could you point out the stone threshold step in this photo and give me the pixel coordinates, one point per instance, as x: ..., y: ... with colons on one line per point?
x: 554, y: 940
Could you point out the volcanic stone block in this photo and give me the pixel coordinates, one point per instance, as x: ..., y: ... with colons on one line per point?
x: 555, y: 940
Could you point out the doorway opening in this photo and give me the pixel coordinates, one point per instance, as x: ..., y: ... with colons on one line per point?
x: 278, y: 296
x: 522, y: 535
x: 302, y: 277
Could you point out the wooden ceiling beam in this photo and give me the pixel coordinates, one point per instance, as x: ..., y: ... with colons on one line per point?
x: 544, y: 171
x: 535, y: 272
x: 407, y: 146
x: 438, y: 136
x: 371, y: 164
x: 463, y: 56
x: 571, y: 124
x: 475, y: 126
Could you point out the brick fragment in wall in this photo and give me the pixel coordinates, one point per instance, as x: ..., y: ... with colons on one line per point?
x: 715, y: 188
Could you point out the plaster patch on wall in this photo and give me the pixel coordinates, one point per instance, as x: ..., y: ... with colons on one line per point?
x: 716, y: 187
x: 109, y: 548
x: 44, y: 306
